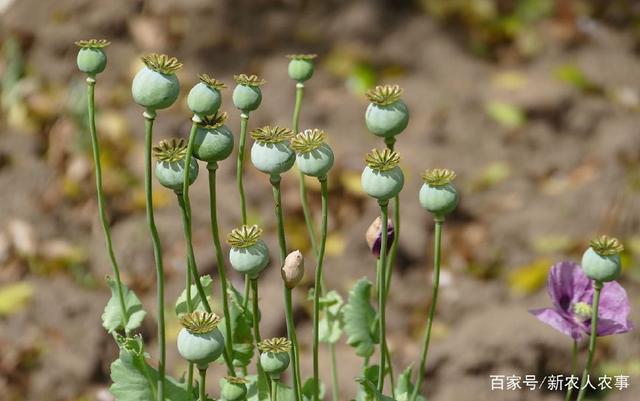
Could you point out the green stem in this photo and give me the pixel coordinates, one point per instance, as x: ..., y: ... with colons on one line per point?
x: 95, y: 146
x: 256, y: 321
x: 381, y: 287
x: 597, y: 286
x: 393, y: 251
x: 432, y: 308
x: 244, y: 120
x: 186, y: 210
x: 308, y: 218
x: 574, y: 363
x: 390, y: 364
x: 291, y: 328
x: 274, y: 389
x: 335, y: 386
x: 190, y: 382
x: 203, y: 384
x: 150, y: 116
x: 212, y: 167
x: 317, y: 290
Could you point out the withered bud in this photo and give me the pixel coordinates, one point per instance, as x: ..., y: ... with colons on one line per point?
x: 293, y: 269
x: 374, y: 239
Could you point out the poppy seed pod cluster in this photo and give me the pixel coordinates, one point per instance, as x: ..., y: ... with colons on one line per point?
x: 587, y: 301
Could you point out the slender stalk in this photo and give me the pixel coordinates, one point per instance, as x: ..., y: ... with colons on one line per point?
x: 574, y: 363
x: 308, y: 218
x: 432, y: 308
x: 291, y: 328
x: 212, y: 167
x: 150, y: 116
x: 256, y: 322
x: 203, y: 385
x: 186, y: 210
x: 390, y: 363
x: 381, y: 286
x: 597, y: 286
x: 190, y: 382
x: 274, y: 390
x: 317, y: 290
x: 335, y: 386
x: 244, y: 119
x: 393, y: 251
x: 104, y: 221
x: 189, y: 309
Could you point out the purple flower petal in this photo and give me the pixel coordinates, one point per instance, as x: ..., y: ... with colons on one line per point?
x: 374, y: 237
x: 614, y: 309
x: 568, y: 284
x: 558, y: 322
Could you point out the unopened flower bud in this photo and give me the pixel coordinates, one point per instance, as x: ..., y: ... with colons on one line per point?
x: 293, y: 269
x: 374, y: 237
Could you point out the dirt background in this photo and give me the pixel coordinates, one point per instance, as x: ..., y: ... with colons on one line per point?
x: 537, y: 112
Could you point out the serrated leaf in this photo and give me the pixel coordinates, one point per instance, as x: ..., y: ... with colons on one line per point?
x: 331, y: 323
x: 359, y: 319
x: 404, y: 387
x: 112, y: 314
x: 308, y: 389
x: 241, y: 323
x: 134, y: 379
x: 196, y: 302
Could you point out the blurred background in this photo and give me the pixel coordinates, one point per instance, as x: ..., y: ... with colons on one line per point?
x: 534, y: 103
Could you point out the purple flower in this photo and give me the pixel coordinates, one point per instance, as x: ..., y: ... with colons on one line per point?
x: 571, y: 293
x: 374, y: 239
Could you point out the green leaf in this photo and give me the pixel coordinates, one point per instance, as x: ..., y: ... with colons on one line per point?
x: 196, y: 302
x: 404, y: 387
x: 258, y: 390
x: 134, y: 379
x: 506, y: 114
x: 308, y: 389
x: 369, y: 373
x: 359, y: 319
x: 331, y: 322
x: 112, y: 315
x: 241, y: 323
x: 372, y: 391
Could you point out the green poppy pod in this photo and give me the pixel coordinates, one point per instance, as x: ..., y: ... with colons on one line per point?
x: 92, y: 59
x: 382, y: 178
x: 301, y: 66
x: 438, y: 195
x: 204, y: 98
x: 234, y: 388
x: 271, y: 152
x: 156, y: 86
x: 274, y: 357
x: 313, y: 156
x: 247, y: 94
x: 386, y: 115
x: 601, y: 261
x: 200, y: 341
x: 213, y: 140
x: 249, y: 254
x: 170, y: 165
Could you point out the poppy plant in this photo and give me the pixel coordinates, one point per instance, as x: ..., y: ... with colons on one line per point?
x: 571, y: 293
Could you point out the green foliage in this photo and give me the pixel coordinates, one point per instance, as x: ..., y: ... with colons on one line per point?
x: 258, y: 390
x: 308, y: 387
x: 134, y: 379
x: 331, y: 323
x: 360, y: 318
x: 404, y: 386
x: 241, y: 319
x: 371, y: 392
x: 112, y: 315
x: 196, y: 302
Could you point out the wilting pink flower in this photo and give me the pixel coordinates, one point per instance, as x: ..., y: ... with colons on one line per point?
x: 571, y: 293
x: 374, y: 239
